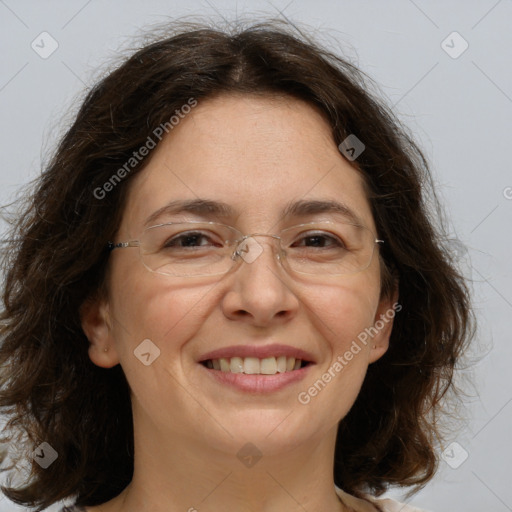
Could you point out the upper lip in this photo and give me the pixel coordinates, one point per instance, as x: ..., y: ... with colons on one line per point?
x: 261, y: 352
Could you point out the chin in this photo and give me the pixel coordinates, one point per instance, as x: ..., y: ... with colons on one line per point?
x: 271, y: 430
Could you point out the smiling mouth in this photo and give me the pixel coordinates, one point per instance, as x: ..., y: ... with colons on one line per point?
x: 255, y: 366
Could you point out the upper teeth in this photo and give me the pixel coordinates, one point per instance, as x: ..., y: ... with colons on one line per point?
x: 253, y: 365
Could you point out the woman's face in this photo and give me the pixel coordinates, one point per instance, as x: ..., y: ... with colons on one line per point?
x: 258, y: 156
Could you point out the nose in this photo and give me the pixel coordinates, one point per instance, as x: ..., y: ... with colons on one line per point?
x: 260, y: 292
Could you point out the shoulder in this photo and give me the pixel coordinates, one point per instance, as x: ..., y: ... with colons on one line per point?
x: 371, y: 504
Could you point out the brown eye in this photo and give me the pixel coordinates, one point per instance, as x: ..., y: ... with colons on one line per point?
x: 319, y: 240
x: 191, y: 239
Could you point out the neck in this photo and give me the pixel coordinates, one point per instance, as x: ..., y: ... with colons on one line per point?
x: 191, y: 476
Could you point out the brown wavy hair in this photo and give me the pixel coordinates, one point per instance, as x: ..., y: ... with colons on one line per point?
x: 56, y: 259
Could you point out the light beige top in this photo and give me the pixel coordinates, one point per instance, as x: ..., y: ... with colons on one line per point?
x: 370, y: 504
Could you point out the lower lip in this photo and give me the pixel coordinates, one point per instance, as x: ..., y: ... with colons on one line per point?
x: 259, y: 383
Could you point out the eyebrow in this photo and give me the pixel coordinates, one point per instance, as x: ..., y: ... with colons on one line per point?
x: 304, y: 208
x: 220, y: 210
x: 200, y: 207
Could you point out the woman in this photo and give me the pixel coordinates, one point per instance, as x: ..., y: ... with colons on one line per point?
x: 226, y: 291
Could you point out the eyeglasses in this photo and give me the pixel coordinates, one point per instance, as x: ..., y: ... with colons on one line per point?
x: 192, y: 249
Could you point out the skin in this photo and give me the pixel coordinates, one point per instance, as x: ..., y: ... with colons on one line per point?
x: 256, y: 154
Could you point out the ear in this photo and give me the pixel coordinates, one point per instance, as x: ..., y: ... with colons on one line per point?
x: 383, y: 324
x: 97, y: 326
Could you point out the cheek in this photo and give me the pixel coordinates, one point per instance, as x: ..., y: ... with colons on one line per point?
x: 168, y: 314
x: 342, y: 313
x: 158, y: 309
x: 344, y: 310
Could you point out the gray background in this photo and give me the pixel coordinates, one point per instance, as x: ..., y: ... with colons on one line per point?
x: 460, y: 110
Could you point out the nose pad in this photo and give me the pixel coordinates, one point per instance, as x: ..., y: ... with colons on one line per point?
x: 249, y: 249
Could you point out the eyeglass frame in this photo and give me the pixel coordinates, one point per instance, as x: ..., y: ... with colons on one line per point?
x: 237, y: 252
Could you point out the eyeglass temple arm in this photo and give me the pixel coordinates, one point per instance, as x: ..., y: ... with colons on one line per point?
x: 121, y: 245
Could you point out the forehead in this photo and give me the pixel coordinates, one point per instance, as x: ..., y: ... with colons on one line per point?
x: 257, y: 154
